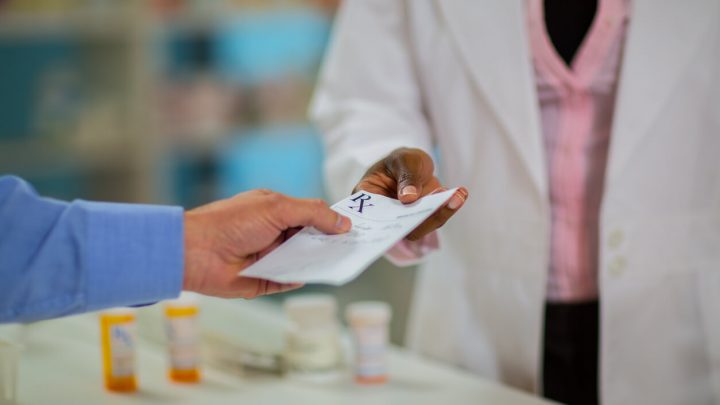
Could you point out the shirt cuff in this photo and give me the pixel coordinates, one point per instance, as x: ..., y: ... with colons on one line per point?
x: 408, y: 253
x: 135, y: 254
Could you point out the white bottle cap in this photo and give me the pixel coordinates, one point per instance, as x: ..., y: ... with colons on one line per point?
x: 119, y: 311
x: 185, y: 300
x: 311, y: 309
x: 368, y: 312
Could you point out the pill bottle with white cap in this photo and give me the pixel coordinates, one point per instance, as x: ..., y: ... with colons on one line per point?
x: 313, y: 338
x: 183, y: 337
x: 369, y: 321
x: 118, y: 338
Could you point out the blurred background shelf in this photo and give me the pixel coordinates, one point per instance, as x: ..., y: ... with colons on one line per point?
x: 175, y: 81
x: 77, y: 24
x: 47, y: 154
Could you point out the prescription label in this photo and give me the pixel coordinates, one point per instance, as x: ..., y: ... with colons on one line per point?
x: 371, y: 351
x: 183, y: 342
x: 122, y: 343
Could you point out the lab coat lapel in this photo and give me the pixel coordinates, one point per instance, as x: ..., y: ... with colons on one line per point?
x: 662, y: 38
x: 492, y: 39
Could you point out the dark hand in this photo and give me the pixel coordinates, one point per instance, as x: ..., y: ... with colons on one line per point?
x: 407, y: 175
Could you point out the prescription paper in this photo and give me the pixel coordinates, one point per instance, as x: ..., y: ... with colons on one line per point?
x: 378, y: 223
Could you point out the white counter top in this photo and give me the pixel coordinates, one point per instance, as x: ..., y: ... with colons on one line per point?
x: 61, y: 364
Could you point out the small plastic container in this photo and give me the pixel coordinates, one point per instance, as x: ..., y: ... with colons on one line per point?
x: 369, y: 321
x: 9, y: 358
x: 313, y: 340
x: 118, y: 336
x: 183, y: 337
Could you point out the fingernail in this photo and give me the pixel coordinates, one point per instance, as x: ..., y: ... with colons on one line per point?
x: 456, y: 201
x: 408, y: 190
x: 343, y: 224
x: 439, y: 190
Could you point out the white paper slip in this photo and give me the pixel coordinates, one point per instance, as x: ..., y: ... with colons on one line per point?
x: 378, y: 223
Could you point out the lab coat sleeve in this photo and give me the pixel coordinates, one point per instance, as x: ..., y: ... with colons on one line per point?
x: 59, y: 258
x: 368, y: 101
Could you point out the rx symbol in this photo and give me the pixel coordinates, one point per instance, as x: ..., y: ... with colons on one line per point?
x: 362, y: 203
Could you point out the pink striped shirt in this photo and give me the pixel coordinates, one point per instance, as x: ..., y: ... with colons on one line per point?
x: 576, y: 110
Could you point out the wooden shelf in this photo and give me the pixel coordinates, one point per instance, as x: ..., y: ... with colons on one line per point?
x: 102, y: 24
x: 76, y: 24
x: 18, y: 156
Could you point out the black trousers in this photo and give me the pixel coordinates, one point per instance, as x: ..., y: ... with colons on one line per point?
x: 570, y: 364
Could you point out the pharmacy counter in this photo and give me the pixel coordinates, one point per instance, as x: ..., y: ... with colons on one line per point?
x: 61, y: 364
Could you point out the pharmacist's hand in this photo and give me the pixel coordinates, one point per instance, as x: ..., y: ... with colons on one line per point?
x: 225, y: 237
x: 407, y: 175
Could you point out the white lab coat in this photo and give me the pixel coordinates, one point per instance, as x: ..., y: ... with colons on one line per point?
x: 458, y: 74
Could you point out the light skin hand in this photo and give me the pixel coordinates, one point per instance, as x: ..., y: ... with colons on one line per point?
x: 407, y: 175
x: 227, y: 236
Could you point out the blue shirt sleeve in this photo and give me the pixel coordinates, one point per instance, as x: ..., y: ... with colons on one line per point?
x: 59, y: 258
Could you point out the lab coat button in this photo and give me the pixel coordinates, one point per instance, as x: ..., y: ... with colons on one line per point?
x: 617, y: 266
x: 615, y: 239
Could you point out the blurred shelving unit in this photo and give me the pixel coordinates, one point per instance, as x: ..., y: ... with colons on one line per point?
x: 119, y: 140
x: 117, y: 64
